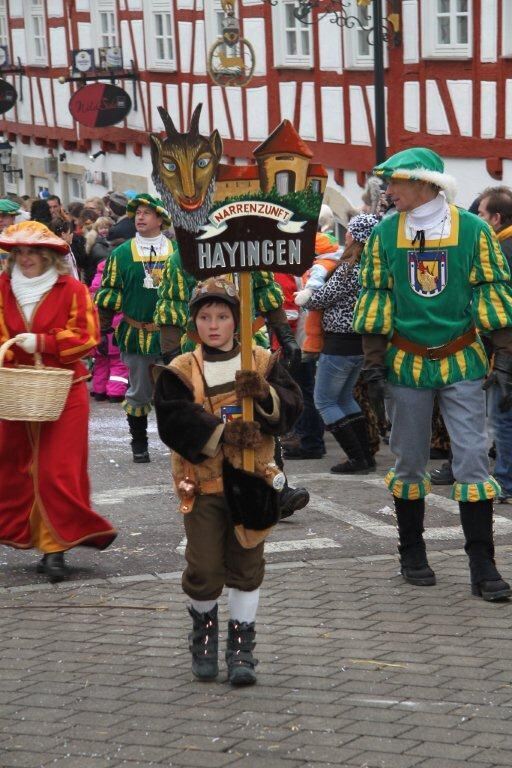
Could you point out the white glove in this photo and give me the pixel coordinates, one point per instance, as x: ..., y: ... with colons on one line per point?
x: 27, y: 341
x: 302, y: 297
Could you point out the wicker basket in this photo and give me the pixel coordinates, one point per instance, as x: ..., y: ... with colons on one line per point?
x: 32, y: 393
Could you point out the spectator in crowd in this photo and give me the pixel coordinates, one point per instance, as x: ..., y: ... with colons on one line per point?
x: 495, y: 207
x: 56, y: 208
x: 63, y: 228
x: 97, y: 246
x: 40, y: 211
x: 8, y: 212
x: 124, y: 227
x: 97, y: 205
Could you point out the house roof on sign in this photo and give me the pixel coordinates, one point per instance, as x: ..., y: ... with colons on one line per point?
x: 237, y: 172
x: 316, y: 169
x: 283, y: 139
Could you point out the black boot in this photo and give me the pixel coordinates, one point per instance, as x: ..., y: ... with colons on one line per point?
x: 203, y: 643
x: 360, y: 427
x: 239, y: 658
x: 346, y: 437
x: 476, y: 518
x: 414, y: 566
x: 290, y: 499
x: 54, y: 566
x: 139, y: 432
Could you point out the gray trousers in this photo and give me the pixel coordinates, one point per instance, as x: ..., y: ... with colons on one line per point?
x: 462, y: 407
x: 140, y: 390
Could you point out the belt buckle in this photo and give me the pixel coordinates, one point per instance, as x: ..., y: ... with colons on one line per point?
x: 431, y: 352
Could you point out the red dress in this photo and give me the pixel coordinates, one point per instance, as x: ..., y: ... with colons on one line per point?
x: 43, y: 466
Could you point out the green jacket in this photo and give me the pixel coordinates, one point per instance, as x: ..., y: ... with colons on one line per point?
x: 122, y: 291
x: 432, y: 298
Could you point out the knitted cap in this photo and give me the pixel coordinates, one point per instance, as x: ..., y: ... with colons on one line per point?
x: 418, y: 164
x: 214, y: 288
x: 360, y: 226
x: 9, y: 207
x: 152, y: 202
x: 32, y: 234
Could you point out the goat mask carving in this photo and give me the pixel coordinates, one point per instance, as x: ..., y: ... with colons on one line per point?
x: 184, y: 168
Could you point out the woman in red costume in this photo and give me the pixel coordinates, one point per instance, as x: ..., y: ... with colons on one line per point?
x: 44, y: 485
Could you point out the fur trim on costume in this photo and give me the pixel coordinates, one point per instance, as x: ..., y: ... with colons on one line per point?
x: 242, y: 434
x: 253, y: 503
x: 251, y: 384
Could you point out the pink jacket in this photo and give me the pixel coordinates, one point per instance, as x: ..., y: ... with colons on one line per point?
x: 113, y: 349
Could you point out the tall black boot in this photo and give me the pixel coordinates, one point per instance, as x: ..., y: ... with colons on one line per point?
x: 360, y: 427
x: 346, y: 437
x: 54, y: 566
x: 239, y: 658
x: 476, y: 518
x: 290, y: 499
x: 203, y: 643
x: 414, y: 566
x: 139, y: 432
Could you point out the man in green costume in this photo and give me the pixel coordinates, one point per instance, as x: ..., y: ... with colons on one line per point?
x: 433, y: 278
x: 130, y: 283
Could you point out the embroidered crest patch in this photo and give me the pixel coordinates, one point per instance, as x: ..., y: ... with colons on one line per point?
x: 428, y: 272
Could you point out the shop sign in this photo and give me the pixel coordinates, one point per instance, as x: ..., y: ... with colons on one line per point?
x: 8, y: 96
x: 100, y: 105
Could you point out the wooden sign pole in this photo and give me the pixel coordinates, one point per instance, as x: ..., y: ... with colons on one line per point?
x: 246, y: 352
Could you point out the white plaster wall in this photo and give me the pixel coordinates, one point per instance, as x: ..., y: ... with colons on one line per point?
x: 83, y: 5
x: 58, y: 50
x: 19, y: 45
x: 85, y: 35
x: 46, y: 88
x: 307, y: 122
x: 23, y: 107
x: 16, y: 8
x: 200, y: 96
x: 220, y: 120
x: 410, y: 31
x: 330, y: 46
x: 54, y: 8
x: 461, y: 95
x: 489, y: 29
x: 257, y: 114
x: 254, y: 31
x: 437, y: 122
x: 508, y: 109
x: 173, y: 108
x: 235, y: 109
x: 370, y: 94
x: 359, y: 131
x: 488, y: 109
x: 135, y: 118
x: 62, y: 93
x: 199, y: 49
x: 185, y: 33
x: 287, y: 93
x: 333, y: 116
x: 412, y: 106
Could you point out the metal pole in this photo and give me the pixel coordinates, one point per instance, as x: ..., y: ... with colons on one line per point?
x: 378, y: 69
x: 2, y: 182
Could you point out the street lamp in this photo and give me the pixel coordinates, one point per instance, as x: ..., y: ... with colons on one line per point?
x: 384, y: 29
x: 5, y: 160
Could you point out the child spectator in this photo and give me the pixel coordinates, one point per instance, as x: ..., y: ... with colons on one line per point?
x: 110, y: 374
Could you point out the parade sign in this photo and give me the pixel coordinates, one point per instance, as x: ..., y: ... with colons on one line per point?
x: 99, y: 105
x: 220, y: 230
x: 8, y: 96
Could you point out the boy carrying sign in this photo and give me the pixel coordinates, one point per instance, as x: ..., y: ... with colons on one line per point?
x: 227, y: 512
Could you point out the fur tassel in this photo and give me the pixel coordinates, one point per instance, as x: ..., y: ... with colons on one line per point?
x: 251, y: 384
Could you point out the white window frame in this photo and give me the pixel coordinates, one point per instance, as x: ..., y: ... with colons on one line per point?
x: 352, y: 56
x: 151, y: 9
x: 430, y: 47
x: 78, y: 180
x: 212, y: 27
x: 99, y: 7
x: 281, y: 57
x: 35, y: 9
x: 506, y: 26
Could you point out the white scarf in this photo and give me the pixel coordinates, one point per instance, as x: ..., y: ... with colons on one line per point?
x: 29, y: 290
x: 432, y: 217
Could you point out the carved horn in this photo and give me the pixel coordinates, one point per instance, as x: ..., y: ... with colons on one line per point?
x: 168, y: 123
x: 194, y: 123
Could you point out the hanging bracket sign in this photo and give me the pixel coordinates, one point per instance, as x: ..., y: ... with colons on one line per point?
x: 8, y: 96
x: 100, y: 105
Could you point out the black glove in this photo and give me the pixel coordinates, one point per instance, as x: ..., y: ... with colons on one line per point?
x: 291, y: 350
x: 501, y: 375
x: 102, y: 347
x: 168, y: 356
x: 375, y: 380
